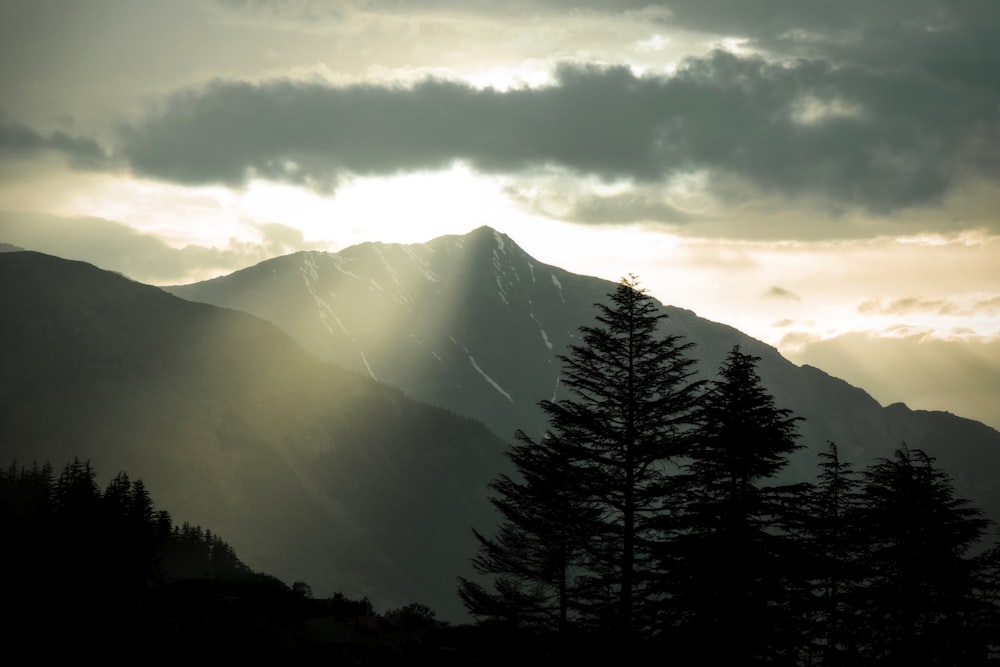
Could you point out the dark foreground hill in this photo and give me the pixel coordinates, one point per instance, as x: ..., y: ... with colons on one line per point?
x: 311, y: 472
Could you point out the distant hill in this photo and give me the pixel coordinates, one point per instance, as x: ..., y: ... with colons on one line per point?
x: 310, y: 471
x: 473, y: 323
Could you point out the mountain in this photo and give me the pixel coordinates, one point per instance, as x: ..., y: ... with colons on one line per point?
x: 475, y: 324
x: 281, y: 439
x: 310, y: 471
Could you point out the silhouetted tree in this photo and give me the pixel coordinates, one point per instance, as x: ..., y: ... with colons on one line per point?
x: 84, y: 566
x: 924, y: 598
x: 539, y: 541
x: 735, y: 559
x: 303, y: 590
x: 593, y: 486
x: 342, y: 606
x: 835, y: 543
x: 76, y: 489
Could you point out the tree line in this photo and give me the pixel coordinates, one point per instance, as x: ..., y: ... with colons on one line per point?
x: 649, y: 512
x: 81, y: 560
x: 86, y: 571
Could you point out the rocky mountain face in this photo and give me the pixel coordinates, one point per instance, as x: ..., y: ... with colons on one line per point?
x: 474, y: 324
x: 311, y: 472
x: 469, y: 323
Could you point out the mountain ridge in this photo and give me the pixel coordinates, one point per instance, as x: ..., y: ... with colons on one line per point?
x: 312, y: 472
x: 503, y: 318
x: 311, y: 468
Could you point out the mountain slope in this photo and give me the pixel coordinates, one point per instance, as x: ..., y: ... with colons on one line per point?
x: 459, y: 322
x: 475, y: 324
x: 310, y: 471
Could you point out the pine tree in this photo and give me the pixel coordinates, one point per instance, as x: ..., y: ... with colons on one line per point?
x: 538, y: 543
x: 925, y: 599
x: 835, y: 559
x: 604, y: 467
x: 735, y: 559
x: 629, y: 422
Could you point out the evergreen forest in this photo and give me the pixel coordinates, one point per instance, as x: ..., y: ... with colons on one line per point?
x: 100, y: 573
x: 652, y: 515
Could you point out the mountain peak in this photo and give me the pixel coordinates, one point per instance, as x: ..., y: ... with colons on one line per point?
x: 489, y: 235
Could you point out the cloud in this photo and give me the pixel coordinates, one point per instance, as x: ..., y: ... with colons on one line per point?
x: 776, y: 292
x: 879, y: 140
x: 625, y: 208
x: 949, y: 307
x: 116, y: 247
x: 961, y: 376
x: 573, y: 198
x: 954, y: 39
x: 21, y: 141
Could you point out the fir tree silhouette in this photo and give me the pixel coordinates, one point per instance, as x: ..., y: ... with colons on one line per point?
x: 578, y: 529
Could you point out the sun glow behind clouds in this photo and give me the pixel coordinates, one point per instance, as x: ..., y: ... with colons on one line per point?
x: 178, y: 215
x: 731, y: 281
x: 407, y: 208
x: 922, y: 280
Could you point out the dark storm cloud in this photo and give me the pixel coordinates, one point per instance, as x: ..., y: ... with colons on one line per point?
x: 954, y: 40
x: 882, y: 140
x: 20, y: 141
x: 626, y: 208
x: 574, y: 202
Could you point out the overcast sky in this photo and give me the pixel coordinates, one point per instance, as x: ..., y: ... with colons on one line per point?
x: 822, y: 175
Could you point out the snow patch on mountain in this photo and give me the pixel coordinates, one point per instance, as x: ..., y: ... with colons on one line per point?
x: 483, y: 373
x: 541, y: 329
x: 310, y: 274
x: 421, y: 264
x: 338, y: 261
x: 555, y: 281
x: 501, y: 291
x: 309, y: 271
x: 364, y: 360
x: 499, y: 238
x: 388, y: 267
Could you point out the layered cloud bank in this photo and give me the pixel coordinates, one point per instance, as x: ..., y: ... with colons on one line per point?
x: 844, y: 135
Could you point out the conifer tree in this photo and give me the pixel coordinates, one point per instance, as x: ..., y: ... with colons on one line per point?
x: 734, y: 561
x: 835, y: 559
x: 538, y: 544
x: 608, y: 453
x: 924, y: 598
x: 629, y: 420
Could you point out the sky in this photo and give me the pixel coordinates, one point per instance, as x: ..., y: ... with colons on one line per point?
x: 824, y: 176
